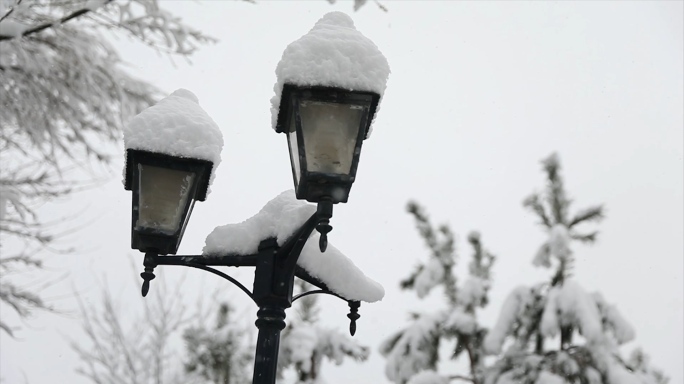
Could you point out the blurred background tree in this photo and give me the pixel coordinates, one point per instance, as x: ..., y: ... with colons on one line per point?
x: 64, y: 98
x: 305, y: 344
x: 550, y: 333
x: 413, y: 353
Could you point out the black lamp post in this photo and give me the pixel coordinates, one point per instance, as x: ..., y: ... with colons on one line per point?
x: 325, y: 127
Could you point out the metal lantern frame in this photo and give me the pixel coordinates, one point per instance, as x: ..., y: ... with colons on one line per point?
x: 319, y: 186
x: 149, y: 239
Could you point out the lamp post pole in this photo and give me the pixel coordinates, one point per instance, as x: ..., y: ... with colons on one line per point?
x: 275, y: 271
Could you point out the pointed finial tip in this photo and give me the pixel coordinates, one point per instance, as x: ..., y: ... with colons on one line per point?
x: 323, y: 243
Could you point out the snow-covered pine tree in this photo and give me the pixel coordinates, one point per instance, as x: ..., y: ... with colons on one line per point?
x: 220, y: 354
x: 557, y: 332
x: 413, y: 353
x: 63, y: 96
x: 304, y: 343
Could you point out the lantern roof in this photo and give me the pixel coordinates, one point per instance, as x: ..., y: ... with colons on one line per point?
x: 333, y: 54
x: 176, y: 126
x: 279, y: 219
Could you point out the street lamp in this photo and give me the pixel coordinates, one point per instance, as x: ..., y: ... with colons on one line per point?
x: 325, y: 102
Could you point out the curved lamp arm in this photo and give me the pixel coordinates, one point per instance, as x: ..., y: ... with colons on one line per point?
x: 152, y: 260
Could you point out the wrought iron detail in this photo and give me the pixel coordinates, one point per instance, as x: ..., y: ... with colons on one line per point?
x: 324, y: 212
x: 321, y: 291
x: 148, y: 274
x: 353, y: 315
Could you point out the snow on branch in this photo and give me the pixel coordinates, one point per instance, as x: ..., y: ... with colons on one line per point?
x: 144, y: 20
x: 17, y: 31
x: 569, y: 305
x: 413, y: 349
x: 517, y: 318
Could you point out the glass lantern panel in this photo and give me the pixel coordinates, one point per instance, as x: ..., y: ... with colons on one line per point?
x: 294, y: 149
x: 164, y: 194
x: 330, y: 133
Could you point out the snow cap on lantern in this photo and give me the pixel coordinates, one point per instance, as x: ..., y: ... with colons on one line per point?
x: 176, y: 126
x: 332, y: 54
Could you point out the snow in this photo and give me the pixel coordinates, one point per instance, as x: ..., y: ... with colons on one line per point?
x: 93, y: 5
x: 279, y: 219
x: 411, y: 352
x: 515, y: 303
x: 7, y: 196
x: 336, y: 346
x: 461, y: 321
x: 549, y: 378
x: 613, y: 319
x: 11, y: 28
x: 559, y: 241
x: 557, y: 245
x: 304, y: 346
x: 568, y: 366
x: 617, y: 374
x: 301, y: 343
x: 428, y: 377
x: 428, y: 277
x: 507, y: 378
x: 176, y: 126
x: 593, y: 376
x: 332, y: 54
x: 570, y: 305
x: 472, y: 292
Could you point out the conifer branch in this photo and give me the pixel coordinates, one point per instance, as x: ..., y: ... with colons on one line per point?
x: 533, y: 202
x: 588, y: 238
x: 585, y: 215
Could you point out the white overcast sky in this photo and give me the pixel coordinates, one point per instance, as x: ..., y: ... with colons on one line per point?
x: 479, y: 93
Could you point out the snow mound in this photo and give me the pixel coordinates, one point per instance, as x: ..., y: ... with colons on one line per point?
x: 176, y: 126
x: 513, y: 307
x: 473, y: 292
x: 428, y: 377
x: 546, y: 377
x: 461, y: 322
x: 613, y: 320
x: 429, y: 277
x: 332, y: 54
x: 570, y: 305
x: 279, y: 219
x: 409, y: 352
